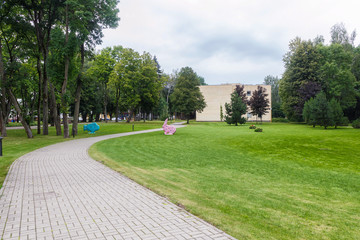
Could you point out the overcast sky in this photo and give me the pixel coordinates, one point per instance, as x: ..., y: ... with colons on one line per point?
x: 226, y: 41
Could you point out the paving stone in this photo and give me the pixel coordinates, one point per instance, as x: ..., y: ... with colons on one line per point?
x: 59, y: 192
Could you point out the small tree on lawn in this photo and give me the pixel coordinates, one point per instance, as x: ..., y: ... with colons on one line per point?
x: 337, y: 112
x: 308, y: 112
x: 187, y: 97
x: 221, y: 113
x: 235, y: 109
x: 259, y: 103
x: 322, y: 111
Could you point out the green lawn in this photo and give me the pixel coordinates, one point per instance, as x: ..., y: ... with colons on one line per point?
x: 289, y: 182
x: 17, y: 144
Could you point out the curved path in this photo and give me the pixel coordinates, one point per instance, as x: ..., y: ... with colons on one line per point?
x: 59, y: 192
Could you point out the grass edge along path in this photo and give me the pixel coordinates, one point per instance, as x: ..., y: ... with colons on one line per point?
x: 17, y: 144
x: 290, y: 182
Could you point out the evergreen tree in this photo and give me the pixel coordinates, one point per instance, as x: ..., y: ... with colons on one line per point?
x: 187, y: 97
x: 308, y: 112
x: 259, y: 103
x: 235, y: 109
x: 321, y: 111
x: 336, y: 112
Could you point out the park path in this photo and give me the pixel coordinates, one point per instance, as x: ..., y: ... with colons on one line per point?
x: 59, y: 192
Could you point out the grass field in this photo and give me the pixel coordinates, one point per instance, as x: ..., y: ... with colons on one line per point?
x: 290, y: 182
x: 17, y: 144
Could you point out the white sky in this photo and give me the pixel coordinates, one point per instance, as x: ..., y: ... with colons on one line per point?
x: 226, y: 41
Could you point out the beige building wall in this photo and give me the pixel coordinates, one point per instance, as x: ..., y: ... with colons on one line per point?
x: 217, y: 95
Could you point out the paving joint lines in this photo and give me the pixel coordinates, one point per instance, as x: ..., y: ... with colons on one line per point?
x: 59, y: 192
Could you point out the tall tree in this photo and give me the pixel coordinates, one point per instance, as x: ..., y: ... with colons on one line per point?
x: 101, y: 69
x: 302, y: 65
x: 43, y: 16
x: 88, y: 21
x: 259, y: 103
x: 187, y: 97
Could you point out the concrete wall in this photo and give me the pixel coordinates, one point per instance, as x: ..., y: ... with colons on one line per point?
x: 217, y: 95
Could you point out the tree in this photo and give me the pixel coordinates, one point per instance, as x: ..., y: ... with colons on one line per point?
x: 336, y: 112
x: 302, y: 65
x: 202, y: 80
x: 318, y: 111
x: 308, y: 112
x: 259, y: 103
x: 275, y: 96
x: 101, y: 69
x: 235, y: 109
x: 221, y: 113
x: 187, y: 97
x: 337, y: 78
x: 339, y: 35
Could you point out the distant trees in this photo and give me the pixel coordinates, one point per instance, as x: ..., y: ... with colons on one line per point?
x: 275, y: 96
x: 312, y: 67
x: 259, y: 103
x: 237, y: 107
x: 187, y: 97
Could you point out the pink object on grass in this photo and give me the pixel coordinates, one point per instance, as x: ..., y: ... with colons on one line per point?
x: 168, y: 130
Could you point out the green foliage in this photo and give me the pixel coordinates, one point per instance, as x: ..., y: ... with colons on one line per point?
x: 235, y: 110
x: 136, y: 79
x: 344, y: 121
x: 336, y: 112
x: 302, y: 65
x: 187, y: 97
x: 221, y: 113
x: 319, y: 111
x: 276, y: 111
x: 252, y: 127
x: 283, y: 120
x: 356, y: 123
x: 258, y: 130
x: 338, y: 81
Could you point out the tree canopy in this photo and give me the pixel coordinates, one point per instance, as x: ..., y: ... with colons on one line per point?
x: 187, y: 97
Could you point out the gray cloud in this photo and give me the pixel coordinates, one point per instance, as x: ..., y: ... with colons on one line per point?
x: 226, y: 41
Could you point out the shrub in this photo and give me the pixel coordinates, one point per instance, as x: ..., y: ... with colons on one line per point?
x: 344, y: 121
x: 252, y: 127
x: 356, y: 123
x: 284, y: 120
x: 258, y: 129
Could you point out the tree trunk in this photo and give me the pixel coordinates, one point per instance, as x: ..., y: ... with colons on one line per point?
x: 18, y: 110
x: 3, y: 96
x: 117, y: 105
x: 55, y: 114
x: 66, y: 76
x: 78, y: 93
x: 45, y: 101
x: 38, y: 66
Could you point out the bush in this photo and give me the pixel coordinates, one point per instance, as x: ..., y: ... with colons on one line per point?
x: 284, y: 120
x: 356, y: 123
x: 344, y: 121
x: 252, y: 127
x: 258, y: 130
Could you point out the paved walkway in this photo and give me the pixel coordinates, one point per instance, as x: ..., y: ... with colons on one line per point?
x: 59, y: 192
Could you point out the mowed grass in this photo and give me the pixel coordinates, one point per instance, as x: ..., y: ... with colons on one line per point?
x: 17, y: 144
x: 289, y: 182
